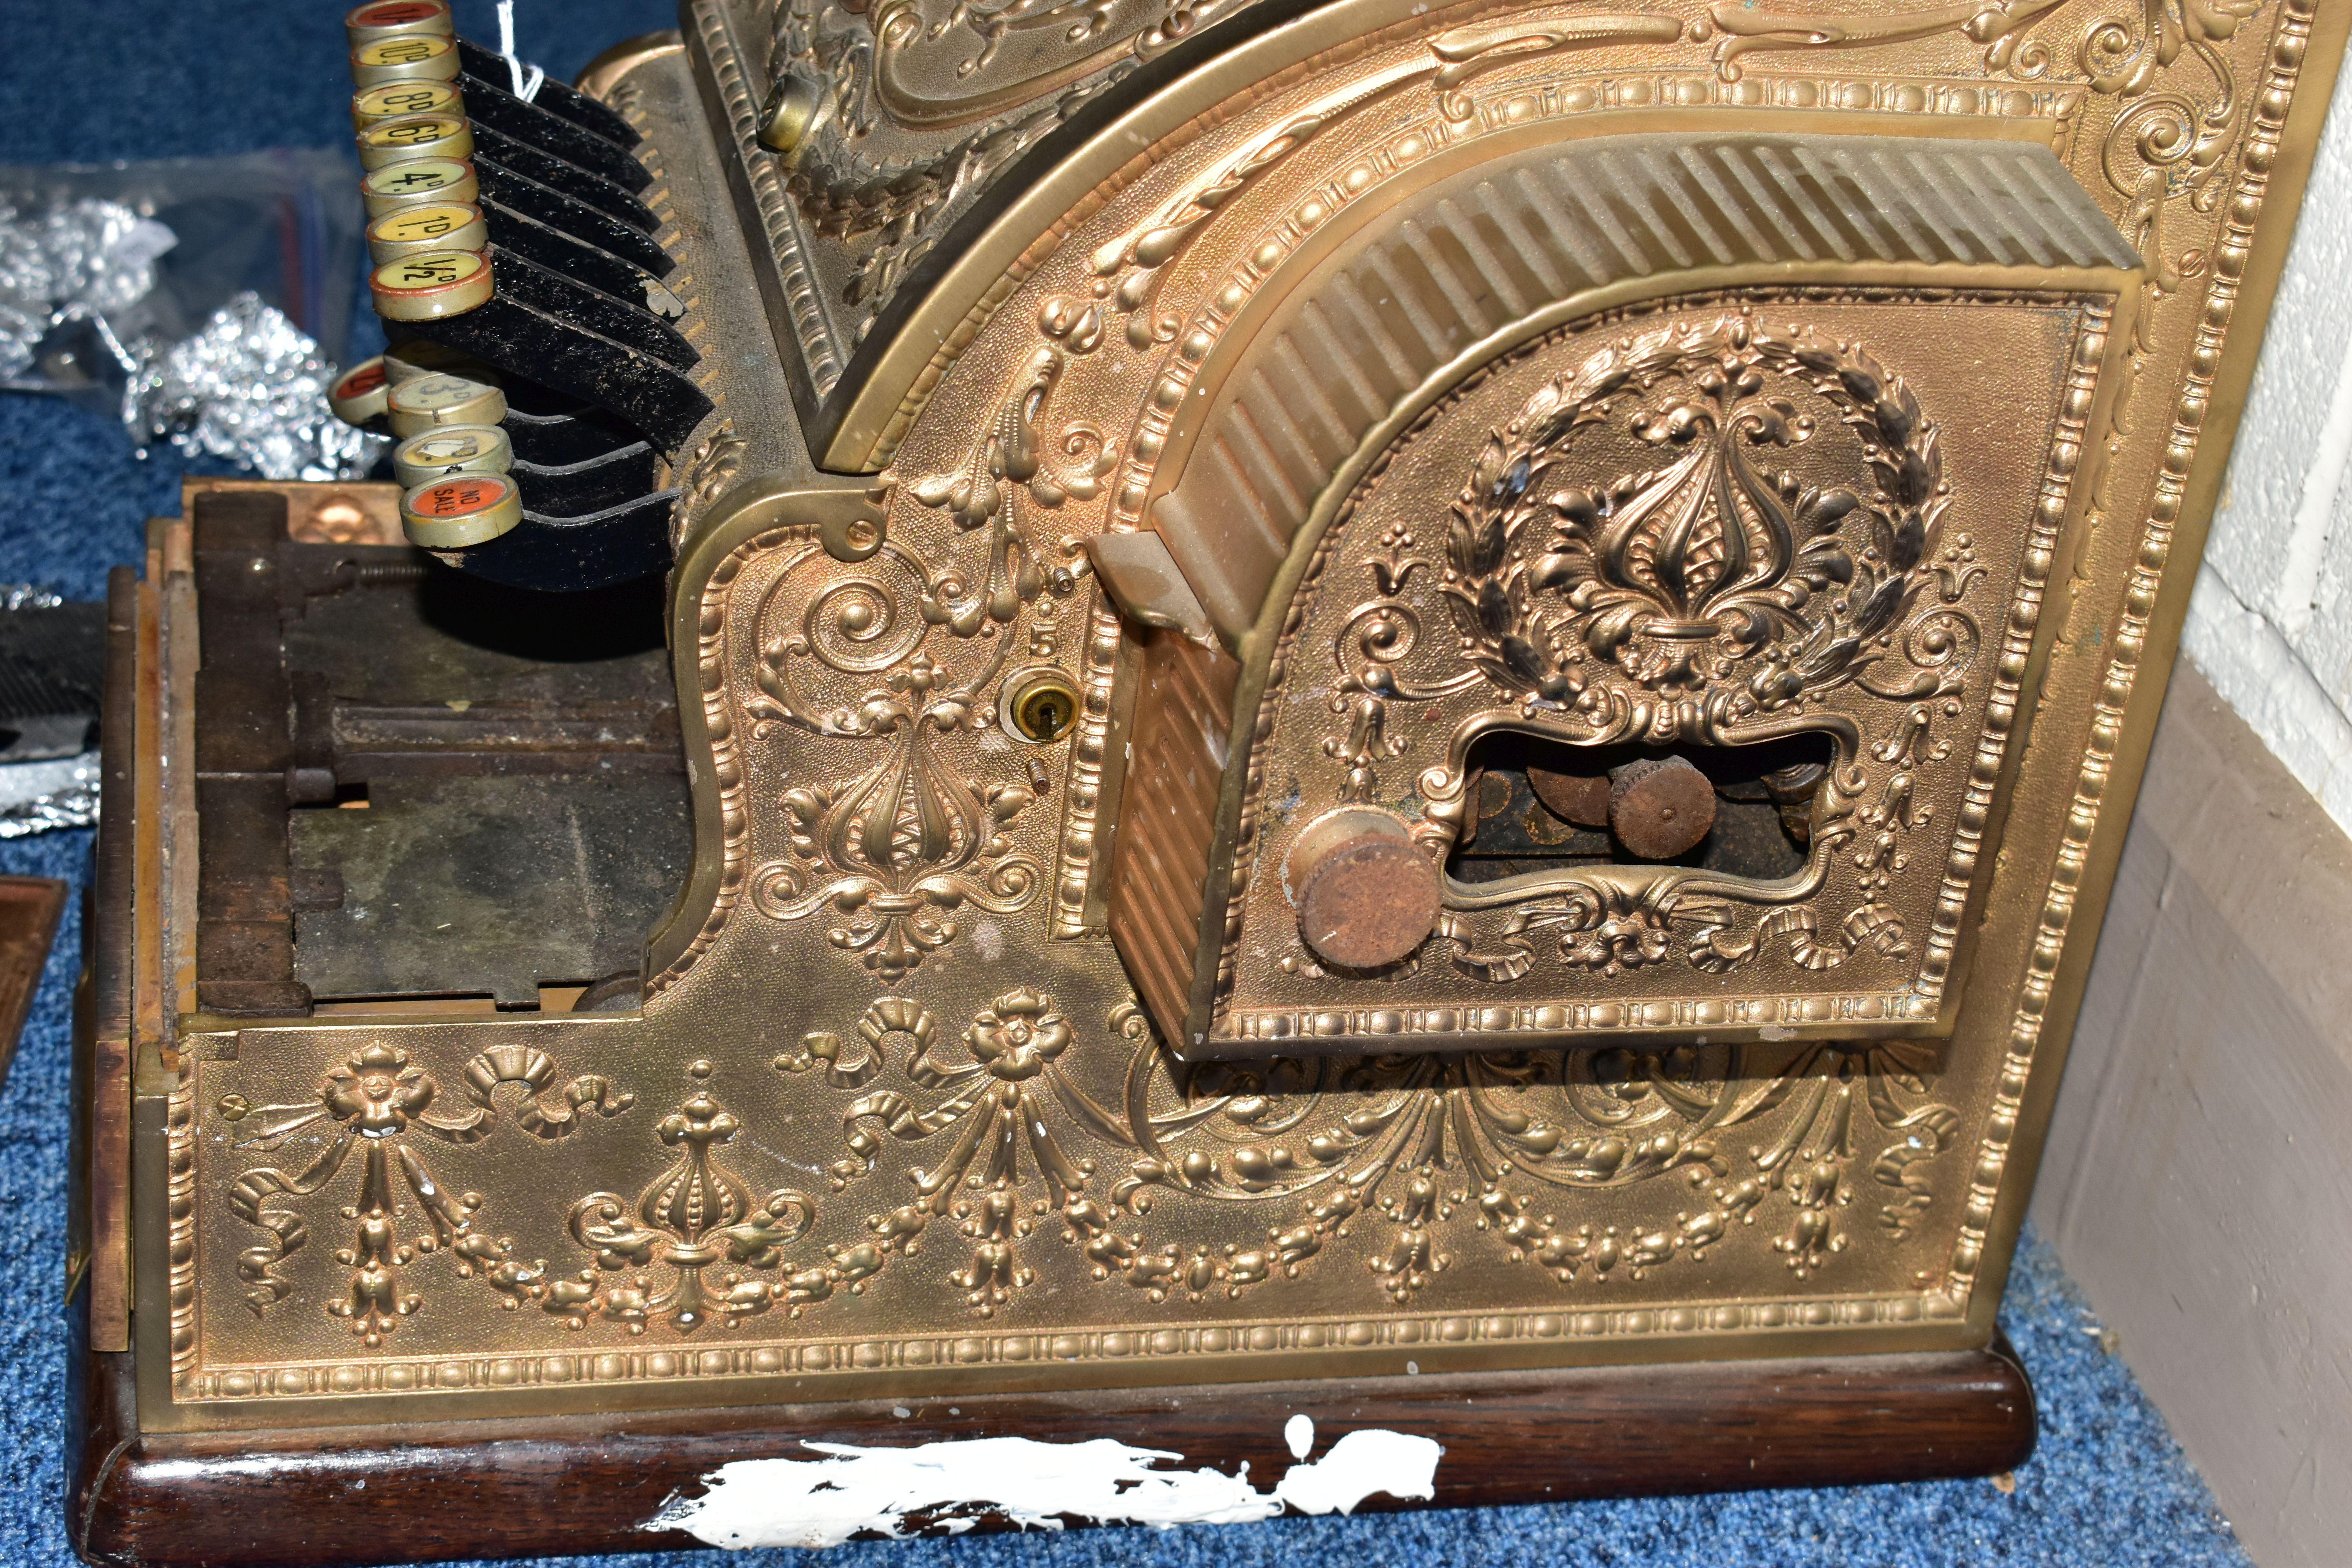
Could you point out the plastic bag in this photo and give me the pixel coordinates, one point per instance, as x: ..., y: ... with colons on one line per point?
x: 205, y: 301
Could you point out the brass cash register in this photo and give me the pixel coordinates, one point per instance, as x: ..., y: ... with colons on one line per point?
x: 1149, y: 760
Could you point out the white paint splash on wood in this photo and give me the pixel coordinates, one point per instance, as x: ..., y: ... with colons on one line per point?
x: 951, y: 1484
x: 1360, y: 1464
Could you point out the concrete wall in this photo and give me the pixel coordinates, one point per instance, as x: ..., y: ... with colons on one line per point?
x: 2271, y: 622
x: 2198, y: 1180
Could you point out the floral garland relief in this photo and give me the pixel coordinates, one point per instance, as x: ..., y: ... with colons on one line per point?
x: 1382, y: 1152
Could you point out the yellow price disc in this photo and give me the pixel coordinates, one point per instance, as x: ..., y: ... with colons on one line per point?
x: 399, y: 99
x: 429, y: 226
x: 431, y: 285
x: 415, y: 136
x: 415, y: 57
x: 462, y: 509
x: 397, y: 19
x: 435, y: 180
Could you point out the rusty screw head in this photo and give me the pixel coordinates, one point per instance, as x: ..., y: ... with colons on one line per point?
x: 1366, y: 896
x: 1660, y: 808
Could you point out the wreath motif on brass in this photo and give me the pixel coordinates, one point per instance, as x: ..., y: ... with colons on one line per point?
x: 1392, y: 1146
x: 1675, y: 579
x: 1712, y: 597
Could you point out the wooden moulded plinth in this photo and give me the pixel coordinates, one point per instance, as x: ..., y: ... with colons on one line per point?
x: 581, y: 1484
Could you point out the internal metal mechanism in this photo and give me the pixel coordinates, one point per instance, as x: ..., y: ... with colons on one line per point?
x: 422, y: 787
x: 1744, y: 811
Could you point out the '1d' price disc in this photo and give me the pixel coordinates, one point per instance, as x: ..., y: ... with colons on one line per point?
x: 460, y: 511
x: 429, y: 226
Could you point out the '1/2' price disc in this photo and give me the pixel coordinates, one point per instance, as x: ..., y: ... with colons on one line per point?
x: 428, y: 286
x: 460, y: 511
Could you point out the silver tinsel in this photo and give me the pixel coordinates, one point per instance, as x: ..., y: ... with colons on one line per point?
x: 249, y: 386
x: 89, y: 256
x: 37, y: 796
x: 60, y: 792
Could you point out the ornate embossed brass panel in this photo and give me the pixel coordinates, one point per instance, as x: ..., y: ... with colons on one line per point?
x: 1519, y: 393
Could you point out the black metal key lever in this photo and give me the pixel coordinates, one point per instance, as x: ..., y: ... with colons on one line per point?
x: 556, y: 97
x: 589, y: 224
x: 581, y: 185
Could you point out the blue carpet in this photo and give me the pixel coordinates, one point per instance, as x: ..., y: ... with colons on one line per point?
x: 113, y: 79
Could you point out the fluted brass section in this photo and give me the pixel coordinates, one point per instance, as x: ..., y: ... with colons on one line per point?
x: 1380, y: 308
x: 1167, y: 850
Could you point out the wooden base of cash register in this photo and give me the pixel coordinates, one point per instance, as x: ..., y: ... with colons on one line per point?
x: 592, y: 1483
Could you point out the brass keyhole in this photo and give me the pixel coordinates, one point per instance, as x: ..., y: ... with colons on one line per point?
x: 1041, y: 705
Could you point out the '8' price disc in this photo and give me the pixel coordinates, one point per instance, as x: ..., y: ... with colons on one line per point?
x: 399, y: 99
